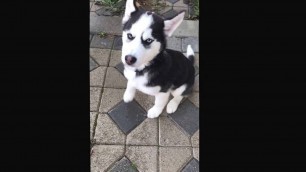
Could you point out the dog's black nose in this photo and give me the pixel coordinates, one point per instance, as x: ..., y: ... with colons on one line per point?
x: 130, y: 59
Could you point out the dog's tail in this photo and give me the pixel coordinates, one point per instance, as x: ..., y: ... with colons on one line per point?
x: 190, y: 54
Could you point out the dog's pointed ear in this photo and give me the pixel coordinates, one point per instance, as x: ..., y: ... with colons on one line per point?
x: 130, y: 7
x: 172, y: 24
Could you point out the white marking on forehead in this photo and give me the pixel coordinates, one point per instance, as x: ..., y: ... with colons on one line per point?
x: 147, y: 34
x: 143, y: 23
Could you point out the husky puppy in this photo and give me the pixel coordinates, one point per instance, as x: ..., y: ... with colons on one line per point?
x: 148, y: 66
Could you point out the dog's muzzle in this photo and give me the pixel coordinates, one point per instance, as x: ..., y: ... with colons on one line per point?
x: 130, y: 59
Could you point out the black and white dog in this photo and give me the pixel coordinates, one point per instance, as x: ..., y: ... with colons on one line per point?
x: 148, y: 66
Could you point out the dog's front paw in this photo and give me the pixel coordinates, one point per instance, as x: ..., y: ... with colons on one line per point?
x: 128, y: 97
x: 172, y: 106
x: 154, y: 112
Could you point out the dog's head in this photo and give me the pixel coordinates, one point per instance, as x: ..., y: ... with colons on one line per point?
x: 144, y: 35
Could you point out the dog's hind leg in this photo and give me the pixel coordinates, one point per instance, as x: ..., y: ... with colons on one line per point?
x: 177, y: 98
x: 161, y: 100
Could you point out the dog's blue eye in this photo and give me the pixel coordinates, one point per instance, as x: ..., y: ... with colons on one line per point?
x: 149, y: 40
x: 130, y: 36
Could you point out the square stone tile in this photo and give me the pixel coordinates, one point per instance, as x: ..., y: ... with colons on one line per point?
x: 124, y: 165
x: 95, y: 93
x: 195, y: 139
x: 120, y: 67
x: 92, y: 64
x: 187, y: 117
x: 95, y: 7
x: 173, y: 158
x: 104, y: 11
x: 145, y: 134
x: 193, y: 41
x: 194, y: 98
x: 105, y: 42
x: 179, y: 9
x: 107, y: 131
x: 144, y: 157
x: 169, y: 14
x: 93, y: 116
x: 192, y: 166
x: 196, y: 86
x: 102, y: 156
x: 174, y: 43
x: 172, y: 1
x: 114, y: 79
x: 117, y: 43
x: 100, y: 55
x: 97, y: 76
x: 181, y: 3
x: 110, y: 98
x: 147, y: 101
x: 127, y: 116
x: 170, y: 134
x: 115, y: 58
x: 196, y: 153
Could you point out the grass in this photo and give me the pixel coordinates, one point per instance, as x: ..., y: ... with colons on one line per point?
x: 111, y: 5
x: 102, y: 34
x: 196, y: 10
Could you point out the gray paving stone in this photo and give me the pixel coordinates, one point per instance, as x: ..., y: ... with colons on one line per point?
x: 181, y: 3
x: 146, y: 101
x: 127, y: 116
x: 193, y: 41
x: 93, y: 116
x: 169, y: 14
x: 163, y: 10
x: 187, y: 117
x: 120, y: 67
x: 115, y: 58
x: 196, y: 153
x: 117, y: 43
x: 170, y: 134
x: 145, y: 134
x: 188, y: 28
x: 111, y: 25
x: 195, y: 139
x: 107, y: 131
x: 110, y: 97
x: 90, y: 5
x: 102, y: 156
x: 144, y: 157
x: 124, y: 165
x: 100, y: 55
x: 172, y: 1
x: 173, y: 158
x: 179, y: 9
x: 92, y: 64
x: 114, y: 79
x: 90, y: 37
x: 192, y: 166
x: 104, y: 11
x: 174, y: 43
x: 105, y: 42
x: 194, y: 98
x: 97, y: 76
x: 95, y: 7
x: 196, y: 86
x: 95, y: 93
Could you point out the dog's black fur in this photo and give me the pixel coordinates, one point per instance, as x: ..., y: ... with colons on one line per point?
x: 170, y: 69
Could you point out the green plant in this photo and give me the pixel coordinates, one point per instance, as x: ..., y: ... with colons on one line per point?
x: 102, y: 34
x: 196, y: 8
x: 110, y: 3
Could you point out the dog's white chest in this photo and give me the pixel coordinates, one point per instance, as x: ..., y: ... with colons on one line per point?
x: 140, y: 82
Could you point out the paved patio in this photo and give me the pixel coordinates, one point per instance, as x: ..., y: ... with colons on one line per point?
x: 122, y: 137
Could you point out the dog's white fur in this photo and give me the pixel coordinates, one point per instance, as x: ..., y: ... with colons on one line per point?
x: 144, y: 56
